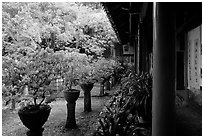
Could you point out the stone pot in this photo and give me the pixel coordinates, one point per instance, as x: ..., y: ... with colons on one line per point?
x: 34, y: 118
x: 87, y: 96
x: 71, y: 96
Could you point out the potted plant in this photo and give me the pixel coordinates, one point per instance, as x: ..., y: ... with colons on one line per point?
x: 87, y: 81
x: 71, y: 67
x: 104, y: 70
x: 41, y: 68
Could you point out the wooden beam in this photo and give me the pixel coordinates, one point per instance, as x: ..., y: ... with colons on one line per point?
x: 143, y: 12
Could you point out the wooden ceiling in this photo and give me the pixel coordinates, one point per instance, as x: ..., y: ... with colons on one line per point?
x: 119, y: 16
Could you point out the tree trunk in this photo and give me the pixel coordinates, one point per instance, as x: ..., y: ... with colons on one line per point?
x: 112, y: 81
x: 52, y: 46
x: 13, y: 103
x: 87, y: 96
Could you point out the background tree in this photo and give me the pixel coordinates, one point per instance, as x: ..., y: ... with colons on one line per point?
x: 58, y: 26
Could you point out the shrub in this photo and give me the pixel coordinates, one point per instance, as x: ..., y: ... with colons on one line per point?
x: 122, y: 115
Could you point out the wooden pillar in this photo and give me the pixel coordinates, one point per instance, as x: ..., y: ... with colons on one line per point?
x: 163, y: 109
x: 137, y: 50
x: 143, y: 49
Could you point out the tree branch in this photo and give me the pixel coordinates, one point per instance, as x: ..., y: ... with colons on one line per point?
x: 43, y: 96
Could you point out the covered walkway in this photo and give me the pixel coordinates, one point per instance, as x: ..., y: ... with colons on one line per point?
x: 166, y: 40
x: 188, y: 121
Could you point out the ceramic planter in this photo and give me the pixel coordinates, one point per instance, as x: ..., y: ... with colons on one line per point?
x: 34, y: 118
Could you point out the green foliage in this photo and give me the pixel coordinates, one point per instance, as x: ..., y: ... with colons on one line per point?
x: 37, y: 71
x: 56, y: 25
x: 75, y: 68
x: 104, y: 68
x: 41, y: 69
x: 44, y: 41
x: 122, y: 115
x: 12, y: 78
x: 140, y: 87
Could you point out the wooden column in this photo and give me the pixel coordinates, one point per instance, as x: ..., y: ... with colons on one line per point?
x: 137, y: 50
x: 143, y: 49
x: 163, y: 109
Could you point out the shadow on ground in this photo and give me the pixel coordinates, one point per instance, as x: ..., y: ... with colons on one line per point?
x: 12, y: 126
x: 188, y: 121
